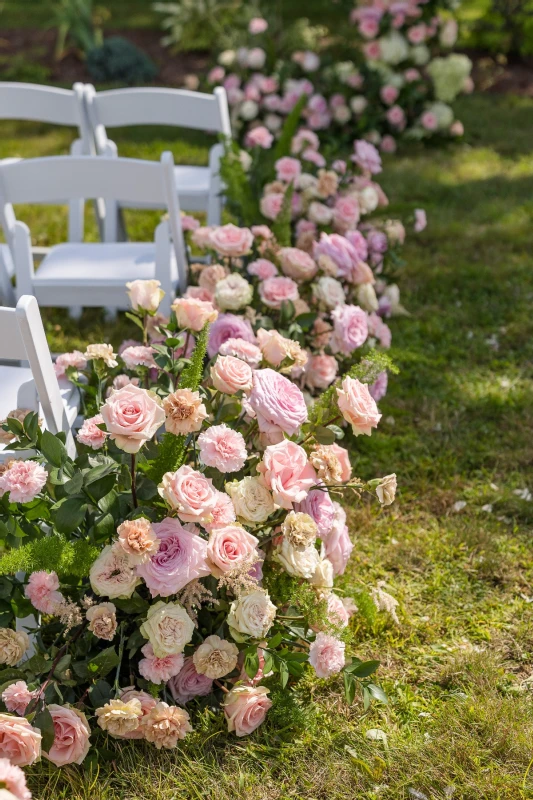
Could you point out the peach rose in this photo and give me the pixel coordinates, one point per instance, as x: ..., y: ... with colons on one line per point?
x: 286, y: 471
x: 145, y: 295
x: 277, y: 290
x: 277, y: 348
x: 321, y: 371
x: 297, y: 264
x: 231, y: 241
x: 72, y: 732
x: 357, y: 406
x: 193, y: 314
x: 245, y: 708
x: 231, y: 375
x: 228, y: 547
x: 19, y: 742
x: 132, y: 417
x: 190, y: 493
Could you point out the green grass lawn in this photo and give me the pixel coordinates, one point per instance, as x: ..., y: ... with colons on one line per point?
x: 457, y: 426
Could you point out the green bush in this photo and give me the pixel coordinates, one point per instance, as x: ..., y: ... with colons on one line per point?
x: 498, y: 26
x: 119, y: 60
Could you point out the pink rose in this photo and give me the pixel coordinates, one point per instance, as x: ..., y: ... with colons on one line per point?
x: 188, y: 683
x: 326, y: 655
x: 259, y: 137
x: 240, y: 348
x: 228, y: 547
x: 396, y: 117
x: 288, y: 169
x: 42, y: 591
x: 417, y: 34
x: 389, y: 94
x: 343, y: 254
x: 271, y: 204
x: 378, y: 389
x: 321, y: 371
x: 231, y: 375
x: 216, y: 75
x: 366, y: 156
x: 190, y: 493
x: 411, y: 75
x: 297, y: 264
x: 358, y: 242
x: 228, y: 326
x: 286, y: 471
x: 200, y: 293
x: 66, y: 360
x: 350, y: 329
x: 379, y: 330
x: 420, y: 220
x: 189, y: 223
x: 179, y: 560
x: 192, y: 313
x: 457, y: 128
x: 311, y: 154
x: 257, y: 25
x: 222, y: 448
x: 261, y: 231
x: 90, y: 434
x: 278, y: 403
x: 231, y: 241
x: 245, y: 708
x: 223, y: 513
x: 72, y: 732
x: 357, y: 406
x: 132, y: 417
x: 346, y: 213
x: 262, y: 269
x: 147, y: 703
x: 19, y: 742
x: 388, y: 144
x: 278, y: 290
x: 319, y: 505
x: 14, y: 781
x: 372, y: 51
x: 17, y: 697
x: 23, y: 480
x: 159, y: 670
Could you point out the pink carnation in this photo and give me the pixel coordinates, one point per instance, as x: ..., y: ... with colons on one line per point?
x: 350, y: 329
x: 271, y: 204
x: 222, y: 448
x: 71, y: 740
x: 42, y: 591
x: 344, y: 460
x: 14, y: 780
x: 223, y: 512
x: 303, y: 139
x: 228, y: 326
x: 188, y: 683
x: 231, y: 241
x: 90, y: 434
x: 278, y: 290
x: 278, y: 403
x: 366, y: 156
x: 66, y: 360
x: 389, y: 94
x: 147, y: 703
x: 159, y: 670
x: 326, y: 655
x: 261, y: 231
x: 288, y: 169
x: 262, y: 268
x: 346, y: 213
x: 357, y: 406
x: 259, y: 137
x: 17, y: 697
x: 312, y: 156
x: 240, y: 348
x: 396, y: 117
x: 286, y: 471
x: 181, y: 558
x: 388, y: 144
x: 23, y: 480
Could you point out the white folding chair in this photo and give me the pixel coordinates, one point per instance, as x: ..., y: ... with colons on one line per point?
x: 22, y: 339
x: 87, y: 274
x: 200, y: 188
x: 35, y: 103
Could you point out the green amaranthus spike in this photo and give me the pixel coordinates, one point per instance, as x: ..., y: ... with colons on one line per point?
x: 173, y: 448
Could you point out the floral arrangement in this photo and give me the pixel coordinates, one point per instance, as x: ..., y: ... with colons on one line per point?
x: 186, y: 557
x: 399, y: 83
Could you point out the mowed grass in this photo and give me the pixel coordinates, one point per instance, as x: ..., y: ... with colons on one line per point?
x: 457, y: 426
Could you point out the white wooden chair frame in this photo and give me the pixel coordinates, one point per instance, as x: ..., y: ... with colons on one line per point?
x: 72, y: 180
x: 174, y: 107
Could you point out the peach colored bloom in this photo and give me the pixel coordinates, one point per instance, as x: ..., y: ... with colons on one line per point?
x: 211, y: 275
x: 102, y: 620
x: 165, y: 725
x: 231, y: 241
x: 184, y: 411
x: 118, y: 717
x: 137, y: 539
x: 231, y: 375
x: 190, y: 493
x: 147, y: 703
x: 321, y: 371
x: 277, y: 348
x: 19, y: 742
x: 297, y: 264
x: 132, y: 417
x: 215, y: 657
x: 357, y: 406
x: 245, y: 708
x: 72, y: 732
x: 192, y: 313
x: 228, y: 547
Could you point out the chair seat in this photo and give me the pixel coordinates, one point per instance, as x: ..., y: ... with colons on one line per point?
x: 18, y: 391
x: 193, y: 188
x: 114, y: 264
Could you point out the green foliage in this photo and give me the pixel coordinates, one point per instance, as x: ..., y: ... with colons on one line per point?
x: 119, y: 60
x: 78, y: 22
x: 202, y: 24
x: 241, y: 199
x: 67, y: 558
x: 281, y: 228
x: 499, y: 26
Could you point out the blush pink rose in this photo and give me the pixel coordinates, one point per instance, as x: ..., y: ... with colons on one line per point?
x: 259, y: 137
x: 72, y: 732
x: 19, y: 742
x: 271, y: 204
x: 278, y: 403
x: 192, y: 313
x: 222, y: 448
x: 231, y: 375
x: 326, y: 655
x: 228, y: 547
x: 261, y: 232
x: 42, y: 591
x: 211, y: 275
x: 23, y: 480
x: 223, y: 513
x: 17, y: 697
x: 245, y: 708
x: 159, y: 670
x: 180, y: 559
x: 358, y: 242
x: 321, y: 371
x: 350, y: 329
x: 278, y: 290
x: 66, y: 360
x: 14, y: 781
x: 366, y: 156
x: 189, y: 683
x: 346, y: 213
x: 228, y: 326
x: 90, y: 434
x: 190, y: 493
x: 297, y: 264
x: 132, y: 416
x: 189, y: 223
x: 357, y: 406
x: 286, y: 471
x: 200, y: 293
x: 380, y: 330
x: 147, y: 703
x: 389, y: 94
x: 240, y: 348
x: 396, y: 117
x: 343, y: 254
x: 288, y: 169
x: 262, y: 269
x: 231, y: 241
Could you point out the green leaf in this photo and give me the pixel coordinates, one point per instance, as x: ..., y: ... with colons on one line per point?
x: 324, y: 436
x: 133, y: 605
x: 350, y: 686
x: 283, y: 145
x: 104, y: 662
x: 44, y: 722
x: 73, y: 486
x: 99, y: 488
x: 100, y: 694
x: 37, y: 664
x: 135, y: 320
x: 275, y: 641
x: 70, y: 514
x: 377, y: 693
x: 363, y: 669
x: 306, y: 320
x: 251, y: 662
x: 31, y: 425
x: 228, y: 411
x: 283, y: 673
x: 53, y: 449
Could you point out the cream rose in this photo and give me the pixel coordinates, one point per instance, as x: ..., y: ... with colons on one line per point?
x: 215, y: 657
x: 251, y: 499
x: 276, y: 348
x: 145, y: 295
x: 233, y: 293
x: 299, y: 529
x: 164, y: 725
x: 386, y: 489
x: 13, y: 645
x: 252, y: 614
x: 329, y: 292
x: 168, y: 628
x: 301, y: 562
x: 323, y: 574
x: 112, y: 575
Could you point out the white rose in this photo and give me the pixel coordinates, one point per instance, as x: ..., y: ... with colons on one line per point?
x: 320, y: 213
x: 112, y: 575
x: 358, y: 104
x: 329, y: 291
x: 249, y: 110
x: 168, y: 628
x: 298, y: 561
x: 252, y: 614
x: 393, y: 48
x: 251, y: 500
x: 366, y: 297
x: 323, y: 575
x: 386, y: 490
x: 226, y: 58
x: 368, y: 200
x: 233, y: 292
x: 273, y: 122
